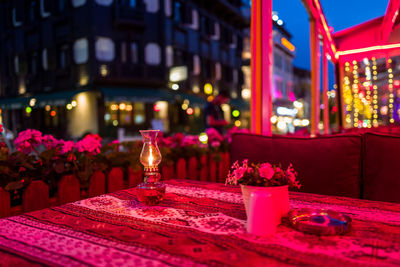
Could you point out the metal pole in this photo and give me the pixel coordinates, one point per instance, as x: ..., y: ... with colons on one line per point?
x: 325, y: 85
x: 315, y: 77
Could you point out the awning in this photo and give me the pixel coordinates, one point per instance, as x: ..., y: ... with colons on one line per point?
x: 239, y: 103
x: 52, y: 99
x: 148, y: 95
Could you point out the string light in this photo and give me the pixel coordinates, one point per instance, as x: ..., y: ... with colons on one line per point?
x: 368, y: 93
x: 355, y: 88
x: 347, y: 94
x: 390, y: 86
x: 375, y: 95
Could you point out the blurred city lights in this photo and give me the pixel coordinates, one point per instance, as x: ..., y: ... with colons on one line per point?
x: 122, y: 106
x: 53, y: 113
x: 32, y: 102
x: 175, y: 86
x: 203, y: 138
x: 208, y: 89
x: 238, y: 123
x: 235, y: 113
x: 73, y: 103
x: 69, y: 106
x: 189, y: 111
x: 28, y: 110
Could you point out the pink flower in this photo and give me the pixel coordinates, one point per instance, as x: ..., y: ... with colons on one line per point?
x: 27, y: 140
x: 213, y: 135
x: 67, y: 146
x: 50, y: 142
x: 238, y: 173
x: 215, y: 143
x: 89, y: 144
x: 190, y: 141
x: 266, y: 171
x: 291, y: 173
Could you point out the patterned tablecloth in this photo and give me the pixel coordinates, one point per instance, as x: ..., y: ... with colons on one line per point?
x: 198, y: 224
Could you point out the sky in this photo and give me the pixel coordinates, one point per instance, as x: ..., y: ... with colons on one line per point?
x: 340, y: 15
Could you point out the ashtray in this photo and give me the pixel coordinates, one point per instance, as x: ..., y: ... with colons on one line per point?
x: 319, y: 221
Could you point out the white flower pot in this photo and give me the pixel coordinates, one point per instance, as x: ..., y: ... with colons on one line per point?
x: 280, y: 198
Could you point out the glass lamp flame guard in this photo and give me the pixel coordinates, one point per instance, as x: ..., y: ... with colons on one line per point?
x: 151, y: 191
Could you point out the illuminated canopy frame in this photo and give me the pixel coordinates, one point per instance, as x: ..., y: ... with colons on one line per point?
x: 375, y: 38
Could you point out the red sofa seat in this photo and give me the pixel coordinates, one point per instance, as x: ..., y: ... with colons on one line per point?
x: 381, y: 167
x: 326, y: 165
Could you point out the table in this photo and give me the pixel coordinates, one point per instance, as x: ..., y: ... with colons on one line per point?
x: 198, y: 224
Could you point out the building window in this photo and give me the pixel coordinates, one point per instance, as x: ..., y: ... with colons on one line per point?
x: 167, y: 8
x: 81, y: 51
x: 63, y: 59
x: 45, y: 63
x: 16, y: 64
x: 16, y: 20
x: 44, y: 7
x: 104, y: 2
x: 105, y: 49
x: 32, y: 11
x: 179, y: 57
x: 169, y: 56
x: 61, y: 6
x: 78, y: 3
x: 134, y: 52
x: 218, y: 71
x: 178, y: 12
x: 196, y: 65
x: 34, y: 63
x: 123, y: 52
x: 152, y: 6
x: 153, y: 54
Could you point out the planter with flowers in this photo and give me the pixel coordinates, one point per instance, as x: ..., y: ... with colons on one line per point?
x: 267, y: 178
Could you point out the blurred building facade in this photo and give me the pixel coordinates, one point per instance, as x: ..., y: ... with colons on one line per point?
x: 77, y: 66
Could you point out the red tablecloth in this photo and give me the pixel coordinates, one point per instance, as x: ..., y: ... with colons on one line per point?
x: 197, y: 224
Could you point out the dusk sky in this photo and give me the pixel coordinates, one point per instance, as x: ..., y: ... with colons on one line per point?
x: 340, y: 14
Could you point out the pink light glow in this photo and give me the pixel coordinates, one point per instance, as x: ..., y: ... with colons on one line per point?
x: 292, y: 97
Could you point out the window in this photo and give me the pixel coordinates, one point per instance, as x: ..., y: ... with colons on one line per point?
x: 153, y: 54
x: 123, y: 52
x: 61, y: 6
x: 105, y: 50
x: 277, y: 61
x: 134, y: 52
x: 179, y: 57
x: 34, y: 63
x: 16, y: 20
x: 218, y: 72
x: 45, y: 63
x: 32, y: 11
x: 152, y: 6
x: 44, y: 7
x: 104, y: 2
x: 196, y: 65
x: 63, y: 59
x: 167, y: 8
x: 178, y: 12
x: 78, y: 3
x: 16, y: 64
x: 169, y: 56
x: 81, y: 51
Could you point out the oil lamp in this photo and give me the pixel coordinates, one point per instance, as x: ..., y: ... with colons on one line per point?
x: 151, y: 191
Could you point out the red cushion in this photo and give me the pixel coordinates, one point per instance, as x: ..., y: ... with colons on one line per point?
x: 325, y: 165
x: 381, y: 170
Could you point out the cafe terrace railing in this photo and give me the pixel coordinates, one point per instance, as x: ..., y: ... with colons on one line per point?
x: 114, y: 168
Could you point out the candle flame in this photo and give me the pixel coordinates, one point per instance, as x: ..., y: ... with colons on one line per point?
x: 151, y: 158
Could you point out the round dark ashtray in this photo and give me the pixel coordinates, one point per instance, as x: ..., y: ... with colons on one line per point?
x: 319, y: 221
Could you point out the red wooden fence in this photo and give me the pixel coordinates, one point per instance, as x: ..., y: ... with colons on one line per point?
x: 36, y: 195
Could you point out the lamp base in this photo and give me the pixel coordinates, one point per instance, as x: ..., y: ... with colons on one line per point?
x: 150, y: 193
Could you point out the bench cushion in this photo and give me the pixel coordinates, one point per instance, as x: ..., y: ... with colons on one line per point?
x: 381, y: 167
x: 325, y: 165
